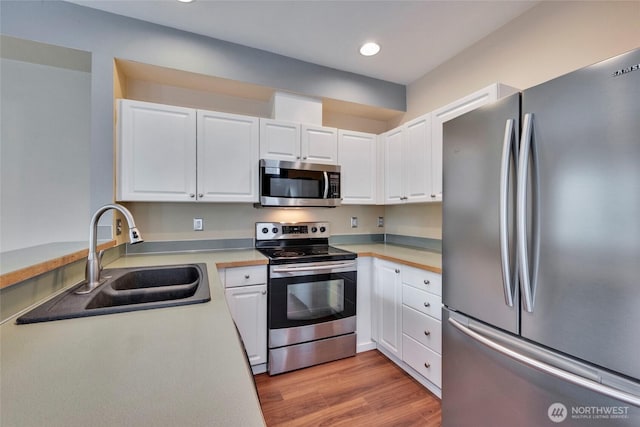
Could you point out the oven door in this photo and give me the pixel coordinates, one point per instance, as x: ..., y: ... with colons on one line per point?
x: 311, y: 304
x: 299, y: 184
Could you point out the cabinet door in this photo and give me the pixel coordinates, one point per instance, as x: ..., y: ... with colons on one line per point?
x: 319, y: 144
x: 248, y: 306
x: 156, y: 159
x: 228, y: 148
x: 393, y: 173
x: 279, y: 140
x: 457, y: 108
x: 357, y: 157
x: 389, y: 307
x: 417, y: 159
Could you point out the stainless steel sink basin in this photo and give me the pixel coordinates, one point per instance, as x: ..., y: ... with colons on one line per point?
x: 128, y: 289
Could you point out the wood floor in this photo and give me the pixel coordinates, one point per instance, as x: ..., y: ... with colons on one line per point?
x: 365, y: 390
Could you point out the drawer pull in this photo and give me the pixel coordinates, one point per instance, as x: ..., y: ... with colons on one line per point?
x: 263, y: 292
x: 427, y: 304
x: 427, y: 365
x: 427, y: 282
x: 246, y: 276
x: 427, y: 333
x: 397, y: 271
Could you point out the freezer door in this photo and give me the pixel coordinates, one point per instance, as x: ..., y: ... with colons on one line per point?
x: 584, y: 258
x: 478, y: 251
x: 485, y: 387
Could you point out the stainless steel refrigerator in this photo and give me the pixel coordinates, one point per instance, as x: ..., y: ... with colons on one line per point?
x: 541, y: 254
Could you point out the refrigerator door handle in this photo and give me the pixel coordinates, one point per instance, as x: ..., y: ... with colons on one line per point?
x: 572, y: 378
x: 507, y: 147
x: 521, y: 212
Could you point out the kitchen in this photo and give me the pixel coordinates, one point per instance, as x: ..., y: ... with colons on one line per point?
x: 503, y: 60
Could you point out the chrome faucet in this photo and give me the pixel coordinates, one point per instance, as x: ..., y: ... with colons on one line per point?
x: 94, y: 259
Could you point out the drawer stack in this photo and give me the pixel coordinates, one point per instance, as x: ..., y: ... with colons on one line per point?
x: 421, y: 322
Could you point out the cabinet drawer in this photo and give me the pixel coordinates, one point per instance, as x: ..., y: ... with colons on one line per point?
x: 426, y: 362
x: 425, y: 302
x: 242, y: 276
x: 422, y: 279
x: 424, y: 329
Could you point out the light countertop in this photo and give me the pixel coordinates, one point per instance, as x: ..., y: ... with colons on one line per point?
x: 162, y: 367
x: 419, y: 258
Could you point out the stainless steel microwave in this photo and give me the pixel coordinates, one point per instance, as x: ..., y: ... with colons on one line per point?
x: 290, y: 184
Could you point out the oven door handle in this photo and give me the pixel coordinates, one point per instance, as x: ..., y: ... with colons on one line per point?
x: 313, y: 267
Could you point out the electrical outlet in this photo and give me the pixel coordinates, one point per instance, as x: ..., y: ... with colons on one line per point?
x: 380, y: 221
x: 354, y: 222
x: 118, y: 227
x: 198, y: 224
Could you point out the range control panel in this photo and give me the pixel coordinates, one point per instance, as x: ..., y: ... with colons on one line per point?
x: 288, y: 230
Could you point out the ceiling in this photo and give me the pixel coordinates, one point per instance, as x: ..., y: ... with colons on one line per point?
x: 416, y: 36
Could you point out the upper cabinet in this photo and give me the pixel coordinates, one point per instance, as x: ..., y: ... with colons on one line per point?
x: 407, y: 165
x: 294, y: 142
x: 228, y: 147
x: 357, y: 156
x: 457, y: 108
x: 169, y: 153
x: 156, y: 155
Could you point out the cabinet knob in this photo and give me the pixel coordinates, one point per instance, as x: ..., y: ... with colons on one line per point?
x: 200, y: 195
x: 427, y: 333
x: 426, y: 282
x: 263, y: 292
x: 433, y: 196
x: 192, y: 195
x: 427, y: 365
x: 397, y: 271
x: 246, y: 276
x: 427, y: 304
x: 298, y: 157
x: 304, y: 158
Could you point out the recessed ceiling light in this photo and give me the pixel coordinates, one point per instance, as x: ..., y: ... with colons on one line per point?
x: 369, y: 49
x: 185, y: 1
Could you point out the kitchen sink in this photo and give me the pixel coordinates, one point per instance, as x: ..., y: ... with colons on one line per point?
x: 128, y: 289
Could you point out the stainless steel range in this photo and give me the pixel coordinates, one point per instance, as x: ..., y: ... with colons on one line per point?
x: 312, y: 295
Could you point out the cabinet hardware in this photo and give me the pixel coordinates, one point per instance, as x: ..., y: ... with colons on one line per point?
x: 433, y: 196
x: 246, y: 276
x: 263, y: 292
x: 427, y: 304
x: 397, y: 271
x: 427, y: 333
x: 200, y: 195
x: 427, y: 365
x: 192, y: 195
x: 427, y: 282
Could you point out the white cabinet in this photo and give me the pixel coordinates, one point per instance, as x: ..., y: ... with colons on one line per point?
x: 407, y: 152
x: 357, y: 156
x: 389, y: 307
x: 246, y: 295
x: 421, y: 323
x: 294, y: 142
x: 168, y: 153
x: 441, y: 115
x: 227, y: 156
x: 156, y: 158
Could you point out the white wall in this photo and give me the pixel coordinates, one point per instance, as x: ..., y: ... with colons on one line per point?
x: 44, y: 154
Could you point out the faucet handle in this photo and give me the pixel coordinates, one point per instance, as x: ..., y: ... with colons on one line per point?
x: 100, y: 255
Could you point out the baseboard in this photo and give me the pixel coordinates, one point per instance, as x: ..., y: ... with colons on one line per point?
x: 365, y: 346
x: 259, y: 369
x: 416, y: 376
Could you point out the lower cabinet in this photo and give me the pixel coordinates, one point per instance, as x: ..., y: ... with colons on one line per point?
x: 246, y: 295
x: 407, y: 306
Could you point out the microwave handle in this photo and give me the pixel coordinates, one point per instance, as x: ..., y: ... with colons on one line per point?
x: 326, y: 185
